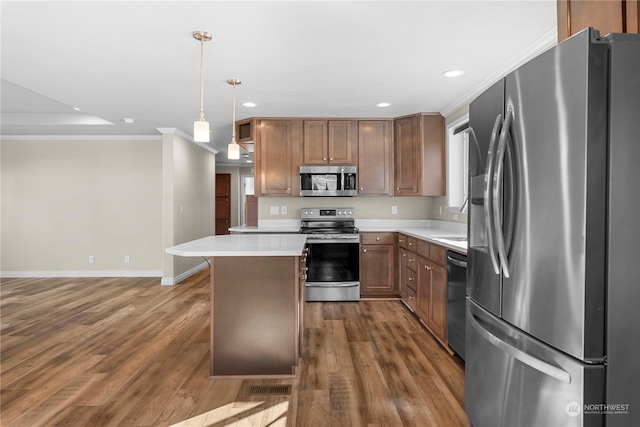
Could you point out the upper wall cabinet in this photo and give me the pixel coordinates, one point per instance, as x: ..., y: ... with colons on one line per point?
x: 419, y: 168
x: 375, y: 157
x: 277, y: 157
x: 329, y: 142
x: 606, y: 16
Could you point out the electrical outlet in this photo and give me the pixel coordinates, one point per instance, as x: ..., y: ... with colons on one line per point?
x: 440, y: 210
x: 274, y: 210
x: 127, y: 258
x: 91, y: 259
x: 283, y: 210
x: 394, y: 210
x: 455, y: 217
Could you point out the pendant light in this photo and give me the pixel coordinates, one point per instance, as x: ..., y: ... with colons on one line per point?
x: 233, y: 149
x: 201, y: 126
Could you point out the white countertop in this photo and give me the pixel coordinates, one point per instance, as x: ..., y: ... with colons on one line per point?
x: 242, y: 245
x: 430, y: 230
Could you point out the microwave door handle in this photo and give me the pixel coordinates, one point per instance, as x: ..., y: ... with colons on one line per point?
x: 342, y: 181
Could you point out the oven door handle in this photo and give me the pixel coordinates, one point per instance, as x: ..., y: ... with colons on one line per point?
x: 349, y: 240
x: 331, y: 284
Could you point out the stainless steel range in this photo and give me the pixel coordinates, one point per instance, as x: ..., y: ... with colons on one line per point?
x: 333, y: 259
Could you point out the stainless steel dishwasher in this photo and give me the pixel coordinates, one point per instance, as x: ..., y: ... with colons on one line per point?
x: 456, y: 293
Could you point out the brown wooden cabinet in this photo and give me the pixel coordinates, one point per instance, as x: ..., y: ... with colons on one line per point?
x: 375, y: 157
x: 419, y: 161
x: 432, y: 289
x: 277, y: 157
x: 407, y: 277
x: 377, y: 264
x: 423, y: 283
x: 607, y: 16
x: 329, y: 142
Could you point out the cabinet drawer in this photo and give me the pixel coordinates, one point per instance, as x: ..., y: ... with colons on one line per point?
x: 402, y: 240
x: 438, y: 254
x: 411, y: 243
x: 411, y: 280
x: 411, y: 299
x: 411, y: 261
x: 377, y: 238
x: 423, y: 248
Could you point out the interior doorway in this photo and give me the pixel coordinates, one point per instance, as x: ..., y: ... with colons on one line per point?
x: 223, y: 203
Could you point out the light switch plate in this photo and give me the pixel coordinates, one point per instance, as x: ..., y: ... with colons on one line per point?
x: 274, y: 210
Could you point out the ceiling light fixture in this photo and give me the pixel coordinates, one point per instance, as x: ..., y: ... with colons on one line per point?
x: 233, y: 149
x: 383, y: 104
x: 250, y: 104
x: 201, y: 126
x: 453, y: 73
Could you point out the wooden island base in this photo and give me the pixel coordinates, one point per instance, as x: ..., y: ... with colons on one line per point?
x: 256, y: 316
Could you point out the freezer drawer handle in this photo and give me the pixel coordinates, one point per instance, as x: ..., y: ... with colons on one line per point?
x: 459, y: 263
x: 525, y: 358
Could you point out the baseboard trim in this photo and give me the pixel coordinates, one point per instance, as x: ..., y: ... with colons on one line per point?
x: 170, y: 281
x: 79, y: 273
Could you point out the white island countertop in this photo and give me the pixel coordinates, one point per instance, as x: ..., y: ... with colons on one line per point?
x: 242, y: 245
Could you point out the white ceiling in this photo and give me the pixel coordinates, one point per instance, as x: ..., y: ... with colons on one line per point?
x: 117, y: 59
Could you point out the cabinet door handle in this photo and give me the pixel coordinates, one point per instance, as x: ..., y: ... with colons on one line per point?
x: 398, y: 188
x: 361, y: 189
x: 377, y: 239
x: 324, y: 158
x: 289, y: 190
x: 411, y: 279
x: 406, y: 255
x: 410, y: 244
x: 330, y: 158
x: 364, y: 250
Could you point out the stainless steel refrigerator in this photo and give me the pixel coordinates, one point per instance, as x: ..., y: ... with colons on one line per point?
x: 553, y: 288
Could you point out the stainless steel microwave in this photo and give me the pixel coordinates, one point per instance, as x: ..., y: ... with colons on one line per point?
x: 321, y: 181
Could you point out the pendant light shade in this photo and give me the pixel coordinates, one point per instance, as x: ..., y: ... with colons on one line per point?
x: 201, y: 126
x: 233, y: 149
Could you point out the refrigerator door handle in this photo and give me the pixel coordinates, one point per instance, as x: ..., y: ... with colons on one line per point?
x: 497, y: 189
x: 488, y: 195
x: 527, y: 359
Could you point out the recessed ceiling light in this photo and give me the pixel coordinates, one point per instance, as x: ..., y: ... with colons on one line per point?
x: 453, y: 73
x: 76, y: 108
x: 249, y: 104
x: 128, y: 120
x: 383, y: 104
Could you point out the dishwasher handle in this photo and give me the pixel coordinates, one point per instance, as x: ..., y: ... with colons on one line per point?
x: 457, y: 262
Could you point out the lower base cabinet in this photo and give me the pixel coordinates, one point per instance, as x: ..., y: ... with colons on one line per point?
x: 423, y: 283
x: 377, y: 264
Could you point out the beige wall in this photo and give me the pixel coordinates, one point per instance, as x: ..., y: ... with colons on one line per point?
x: 188, y: 201
x: 64, y: 200
x: 365, y: 207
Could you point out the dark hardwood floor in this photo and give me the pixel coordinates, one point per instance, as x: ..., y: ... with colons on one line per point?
x: 129, y: 352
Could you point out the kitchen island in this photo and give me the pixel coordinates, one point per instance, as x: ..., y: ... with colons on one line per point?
x: 256, y: 302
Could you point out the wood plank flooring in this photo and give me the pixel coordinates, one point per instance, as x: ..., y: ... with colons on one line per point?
x: 129, y: 352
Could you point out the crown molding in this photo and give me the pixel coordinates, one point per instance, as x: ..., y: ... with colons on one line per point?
x: 186, y: 136
x: 545, y: 42
x: 80, y: 137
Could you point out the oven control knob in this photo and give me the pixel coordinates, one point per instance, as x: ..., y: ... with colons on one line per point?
x: 350, y: 212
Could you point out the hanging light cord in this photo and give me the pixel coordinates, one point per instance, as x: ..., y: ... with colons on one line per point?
x: 233, y: 116
x: 202, y: 78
